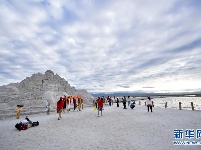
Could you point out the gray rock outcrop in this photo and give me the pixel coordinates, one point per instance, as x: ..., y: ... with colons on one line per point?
x: 33, y: 92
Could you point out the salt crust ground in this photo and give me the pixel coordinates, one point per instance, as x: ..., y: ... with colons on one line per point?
x: 117, y: 129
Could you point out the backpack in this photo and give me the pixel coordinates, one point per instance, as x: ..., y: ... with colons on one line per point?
x: 21, y: 126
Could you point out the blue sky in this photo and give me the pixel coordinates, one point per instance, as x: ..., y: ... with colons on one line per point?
x: 104, y: 45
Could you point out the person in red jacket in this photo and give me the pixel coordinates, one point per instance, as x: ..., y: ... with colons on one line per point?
x: 60, y: 104
x: 100, y: 106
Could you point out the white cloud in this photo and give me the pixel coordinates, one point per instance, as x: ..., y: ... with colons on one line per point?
x: 120, y: 45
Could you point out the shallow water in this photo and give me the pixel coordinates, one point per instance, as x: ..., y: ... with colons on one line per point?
x: 173, y: 102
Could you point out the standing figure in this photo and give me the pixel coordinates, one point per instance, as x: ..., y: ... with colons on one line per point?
x: 68, y: 103
x: 100, y: 106
x: 109, y: 100
x: 124, y: 101
x: 18, y: 111
x: 104, y: 101
x: 74, y: 103
x: 48, y: 107
x: 64, y: 106
x: 82, y: 103
x: 149, y: 104
x: 79, y: 103
x: 60, y: 104
x: 117, y: 101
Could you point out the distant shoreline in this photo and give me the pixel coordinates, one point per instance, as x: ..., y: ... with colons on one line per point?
x: 133, y: 94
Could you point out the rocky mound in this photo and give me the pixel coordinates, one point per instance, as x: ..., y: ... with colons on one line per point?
x: 33, y: 92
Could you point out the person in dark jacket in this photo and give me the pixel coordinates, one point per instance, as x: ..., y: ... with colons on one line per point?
x: 117, y: 101
x: 132, y: 105
x: 124, y: 101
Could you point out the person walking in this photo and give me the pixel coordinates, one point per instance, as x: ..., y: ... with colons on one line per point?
x: 149, y: 104
x: 60, y: 104
x: 100, y: 106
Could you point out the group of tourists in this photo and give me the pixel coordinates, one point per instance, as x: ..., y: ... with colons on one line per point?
x: 125, y: 100
x: 65, y: 102
x: 149, y: 103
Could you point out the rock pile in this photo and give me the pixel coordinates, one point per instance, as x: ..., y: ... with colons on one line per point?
x: 33, y: 92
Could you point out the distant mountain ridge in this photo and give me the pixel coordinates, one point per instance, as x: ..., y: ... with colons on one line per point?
x: 143, y: 94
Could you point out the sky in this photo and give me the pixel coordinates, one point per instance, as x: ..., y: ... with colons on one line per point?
x: 104, y: 45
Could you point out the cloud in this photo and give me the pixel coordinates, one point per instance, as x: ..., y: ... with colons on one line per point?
x: 103, y: 45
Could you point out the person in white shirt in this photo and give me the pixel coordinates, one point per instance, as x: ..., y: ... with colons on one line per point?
x: 149, y: 104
